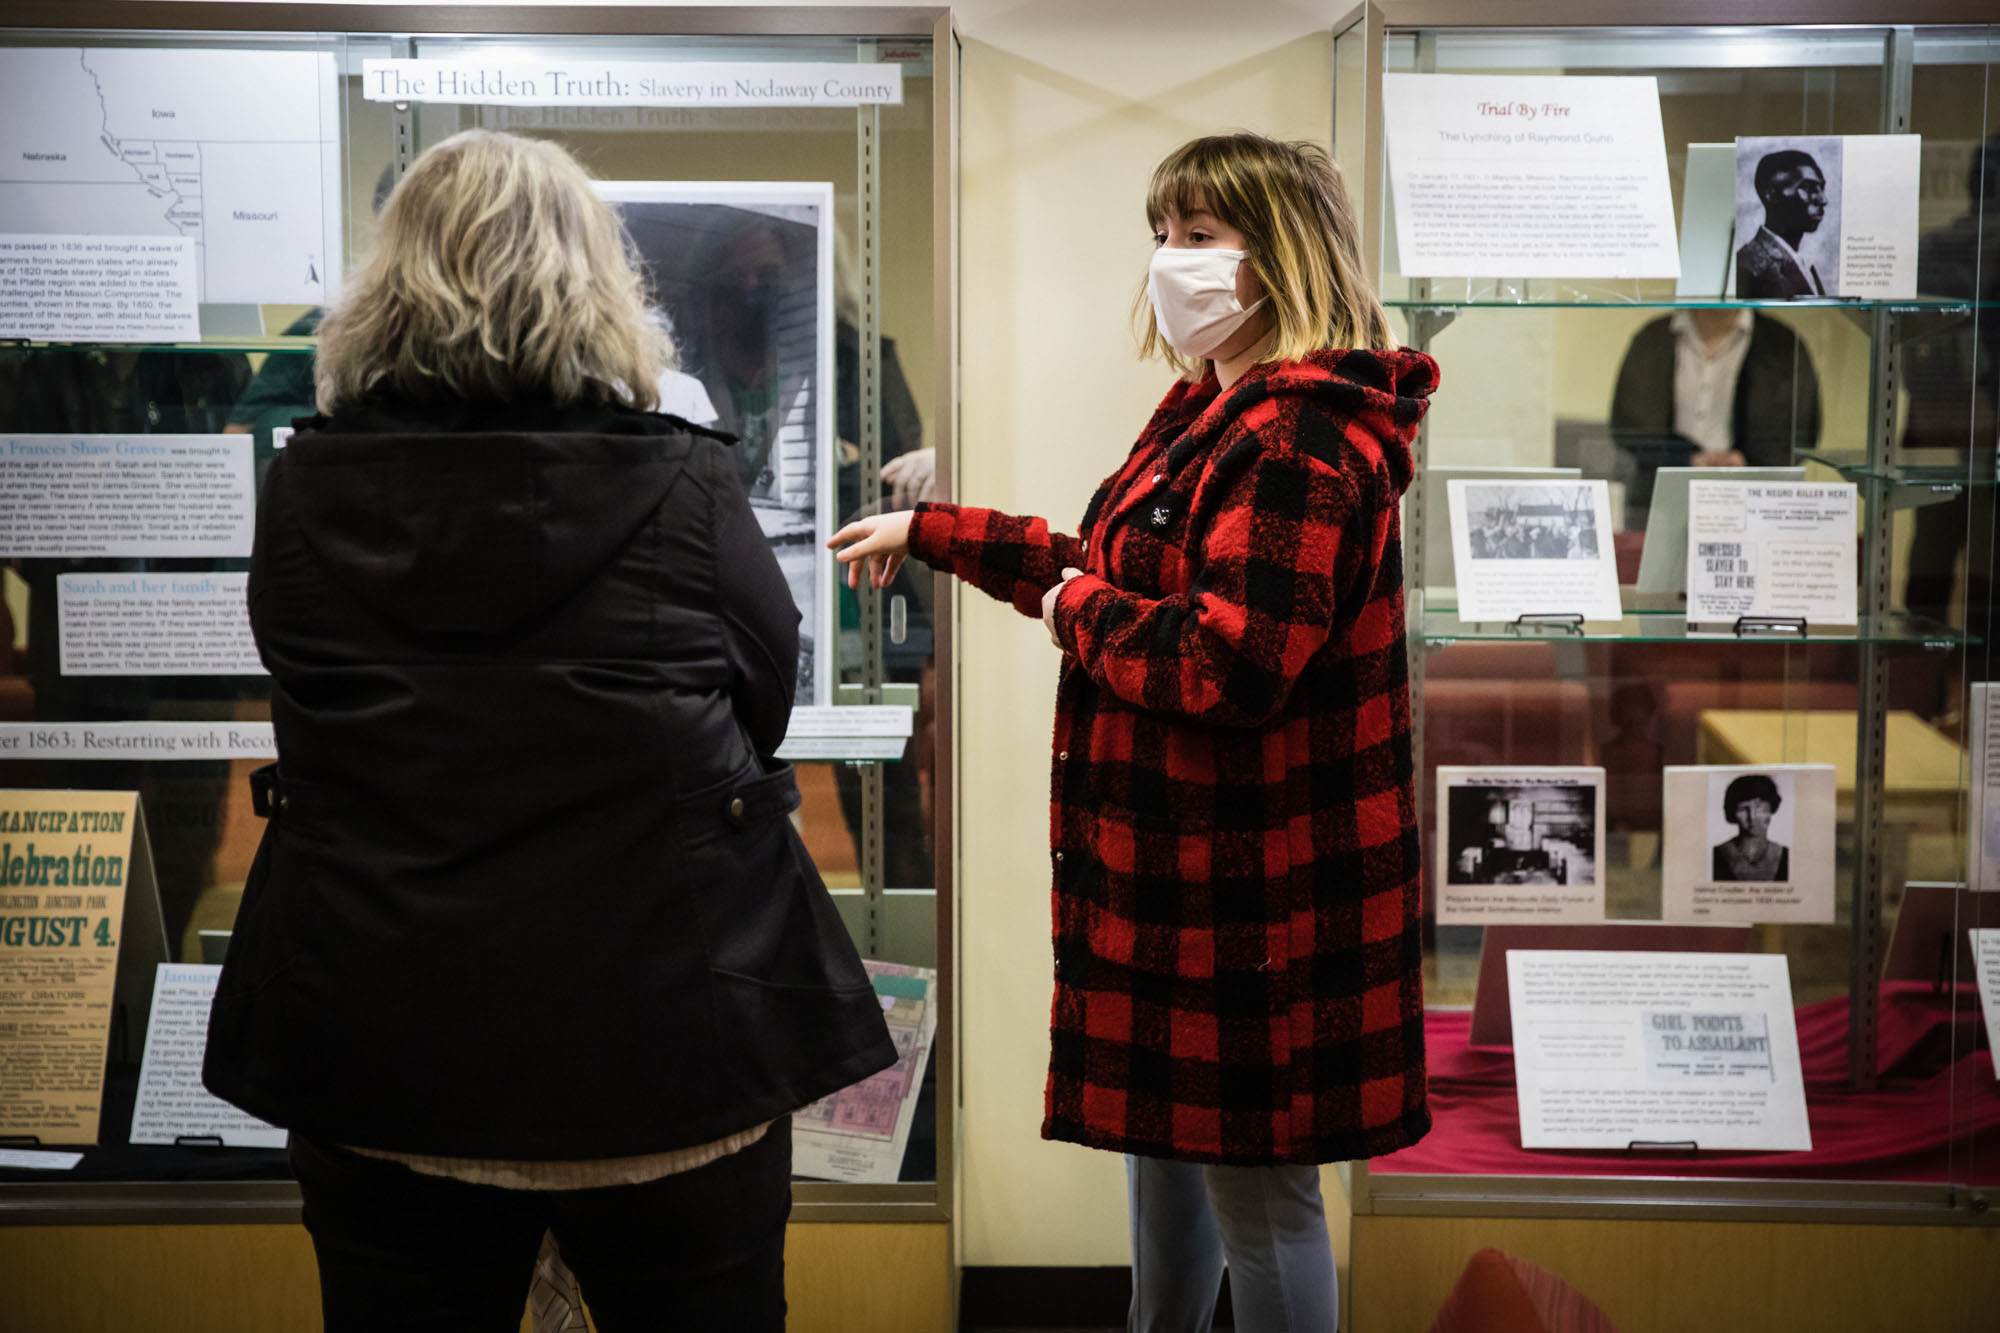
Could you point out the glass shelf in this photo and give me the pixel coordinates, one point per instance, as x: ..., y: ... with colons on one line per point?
x: 1947, y: 478
x: 1443, y: 626
x: 1918, y: 306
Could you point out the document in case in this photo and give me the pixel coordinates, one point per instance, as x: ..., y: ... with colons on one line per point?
x: 1749, y: 845
x: 1663, y: 561
x: 165, y: 624
x: 1778, y: 549
x: 1617, y: 1049
x: 138, y: 496
x: 1529, y: 176
x: 1986, y: 963
x: 1532, y: 548
x: 172, y: 1104
x: 98, y: 289
x: 1520, y: 845
x: 76, y: 879
x: 231, y: 152
x: 859, y: 1133
x: 1827, y: 215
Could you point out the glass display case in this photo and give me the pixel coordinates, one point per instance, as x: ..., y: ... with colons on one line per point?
x: 1601, y: 379
x: 788, y: 177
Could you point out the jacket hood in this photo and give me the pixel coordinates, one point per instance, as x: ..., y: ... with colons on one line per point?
x: 468, y: 531
x: 1383, y: 393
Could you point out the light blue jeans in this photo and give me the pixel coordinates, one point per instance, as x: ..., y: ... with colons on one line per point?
x: 1265, y: 1223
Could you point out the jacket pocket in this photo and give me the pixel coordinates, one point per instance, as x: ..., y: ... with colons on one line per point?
x: 766, y: 917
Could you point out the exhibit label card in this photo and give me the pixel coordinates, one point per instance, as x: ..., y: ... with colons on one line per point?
x: 172, y: 1104
x: 1527, y: 548
x: 1749, y: 845
x: 1985, y: 842
x: 1780, y: 549
x: 1531, y: 176
x: 859, y: 1134
x: 1827, y: 215
x: 1615, y: 1048
x: 1986, y: 967
x: 166, y: 624
x: 1520, y: 845
x: 65, y: 860
x: 99, y: 289
x: 140, y: 496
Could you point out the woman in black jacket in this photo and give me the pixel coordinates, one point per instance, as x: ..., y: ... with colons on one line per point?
x: 530, y: 942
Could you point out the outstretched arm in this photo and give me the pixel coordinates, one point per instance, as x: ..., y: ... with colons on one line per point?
x: 1013, y: 559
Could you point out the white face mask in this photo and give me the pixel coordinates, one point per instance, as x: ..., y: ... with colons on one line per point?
x: 1194, y: 298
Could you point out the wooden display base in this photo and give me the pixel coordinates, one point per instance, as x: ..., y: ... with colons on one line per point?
x: 840, y: 1277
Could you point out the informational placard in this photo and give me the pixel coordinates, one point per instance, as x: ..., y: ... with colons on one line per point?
x: 1827, y: 215
x: 69, y: 861
x: 166, y: 624
x: 137, y: 740
x: 1615, y: 1050
x: 229, y: 150
x: 1986, y: 967
x: 1520, y: 845
x: 1748, y: 845
x: 100, y: 289
x: 172, y: 1104
x: 859, y: 1133
x: 1533, y: 548
x: 877, y: 731
x: 1984, y: 844
x: 1529, y: 176
x: 69, y: 496
x: 1784, y: 550
x: 632, y: 83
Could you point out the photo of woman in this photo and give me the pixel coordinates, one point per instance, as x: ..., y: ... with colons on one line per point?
x: 1751, y: 802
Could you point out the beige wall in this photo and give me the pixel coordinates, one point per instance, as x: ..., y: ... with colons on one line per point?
x: 1067, y: 107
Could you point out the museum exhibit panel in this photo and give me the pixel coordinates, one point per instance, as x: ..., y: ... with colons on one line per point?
x: 1699, y: 569
x: 186, y: 186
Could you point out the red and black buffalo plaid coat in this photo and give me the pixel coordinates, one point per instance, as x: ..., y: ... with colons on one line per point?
x: 1233, y: 817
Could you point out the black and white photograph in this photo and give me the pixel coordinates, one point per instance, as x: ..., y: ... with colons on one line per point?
x: 1543, y: 522
x: 741, y: 274
x: 1520, y: 845
x: 1522, y: 829
x: 1748, y: 844
x: 1753, y: 846
x: 1788, y: 217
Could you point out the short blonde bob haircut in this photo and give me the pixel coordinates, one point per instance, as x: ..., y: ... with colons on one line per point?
x: 1298, y: 228
x: 497, y: 275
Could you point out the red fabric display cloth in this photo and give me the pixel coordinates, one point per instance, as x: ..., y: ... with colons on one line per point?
x: 1902, y: 1131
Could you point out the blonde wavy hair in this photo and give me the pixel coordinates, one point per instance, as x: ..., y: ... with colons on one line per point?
x: 1298, y: 228
x: 496, y: 274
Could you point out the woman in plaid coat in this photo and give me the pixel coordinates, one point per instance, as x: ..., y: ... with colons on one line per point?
x: 1233, y: 826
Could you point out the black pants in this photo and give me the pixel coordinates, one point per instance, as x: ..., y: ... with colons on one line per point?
x: 403, y: 1251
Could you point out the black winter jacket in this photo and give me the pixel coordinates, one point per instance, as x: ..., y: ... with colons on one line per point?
x: 529, y: 889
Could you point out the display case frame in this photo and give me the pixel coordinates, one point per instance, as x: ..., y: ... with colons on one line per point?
x: 1363, y: 36
x: 181, y: 1202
